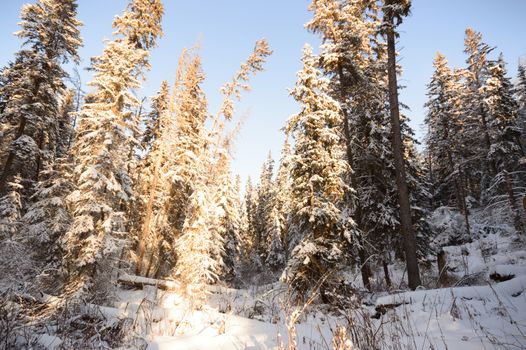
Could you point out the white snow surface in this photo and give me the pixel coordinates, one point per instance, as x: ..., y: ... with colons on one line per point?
x: 474, y: 312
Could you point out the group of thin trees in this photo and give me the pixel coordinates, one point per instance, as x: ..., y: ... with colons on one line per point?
x: 476, y: 134
x: 93, y: 186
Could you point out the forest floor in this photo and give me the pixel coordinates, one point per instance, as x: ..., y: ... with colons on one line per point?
x: 482, y: 307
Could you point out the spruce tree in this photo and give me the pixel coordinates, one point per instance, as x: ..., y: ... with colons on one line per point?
x: 149, y: 221
x: 104, y: 140
x: 480, y: 168
x: 520, y: 95
x: 444, y: 138
x: 190, y: 143
x: 32, y: 88
x: 264, y: 209
x: 317, y: 167
x: 505, y: 151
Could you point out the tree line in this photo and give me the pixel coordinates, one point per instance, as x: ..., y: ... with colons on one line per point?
x: 100, y: 184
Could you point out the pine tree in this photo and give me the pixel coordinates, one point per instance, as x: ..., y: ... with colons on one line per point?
x: 520, y: 93
x: 32, y: 88
x: 282, y: 206
x: 317, y: 167
x: 264, y: 208
x: 190, y: 142
x: 104, y: 139
x: 505, y: 151
x: 480, y: 168
x: 444, y: 138
x: 227, y: 220
x: 149, y: 215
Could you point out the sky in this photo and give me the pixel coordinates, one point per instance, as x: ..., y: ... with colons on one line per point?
x: 226, y: 31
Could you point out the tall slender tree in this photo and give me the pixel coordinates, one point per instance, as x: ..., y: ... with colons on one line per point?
x: 32, y: 88
x: 104, y: 140
x: 505, y: 151
x: 149, y: 221
x: 317, y: 167
x: 394, y: 11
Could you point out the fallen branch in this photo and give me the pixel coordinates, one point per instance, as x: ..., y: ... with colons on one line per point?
x: 139, y: 282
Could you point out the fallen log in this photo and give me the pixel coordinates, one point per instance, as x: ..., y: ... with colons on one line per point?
x: 139, y: 282
x: 497, y: 277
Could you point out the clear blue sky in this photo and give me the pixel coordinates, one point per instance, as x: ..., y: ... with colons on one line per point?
x: 227, y: 30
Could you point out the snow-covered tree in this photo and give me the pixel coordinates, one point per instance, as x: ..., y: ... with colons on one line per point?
x: 276, y: 252
x: 281, y: 213
x: 197, y: 263
x: 249, y: 207
x: 189, y: 147
x: 393, y: 13
x: 348, y: 56
x: 505, y: 151
x: 264, y: 208
x: 47, y: 218
x: 10, y: 207
x: 103, y: 188
x: 32, y: 88
x: 317, y: 167
x: 227, y: 219
x: 149, y: 210
x: 444, y: 138
x: 480, y: 169
x: 202, y: 181
x: 520, y: 93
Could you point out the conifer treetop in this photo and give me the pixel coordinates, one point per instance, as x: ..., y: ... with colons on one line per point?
x: 141, y: 23
x: 40, y: 23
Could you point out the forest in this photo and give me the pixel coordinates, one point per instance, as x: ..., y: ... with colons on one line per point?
x: 123, y: 224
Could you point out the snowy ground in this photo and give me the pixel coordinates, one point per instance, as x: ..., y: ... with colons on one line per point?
x: 475, y: 312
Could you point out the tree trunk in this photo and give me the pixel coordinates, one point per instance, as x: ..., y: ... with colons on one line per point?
x: 145, y: 229
x: 413, y: 273
x: 364, y: 267
x: 442, y: 264
x: 517, y: 220
x: 463, y: 186
x: 386, y: 274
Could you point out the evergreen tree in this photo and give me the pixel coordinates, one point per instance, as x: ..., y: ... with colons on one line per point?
x: 32, y: 88
x: 190, y: 142
x: 249, y: 218
x: 444, y: 138
x: 104, y: 139
x: 520, y: 93
x: 480, y: 169
x: 227, y: 218
x: 264, y: 209
x: 317, y: 167
x: 149, y: 217
x: 505, y: 151
x: 348, y: 55
x: 10, y: 207
x: 282, y: 209
x: 196, y: 262
x: 394, y: 11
